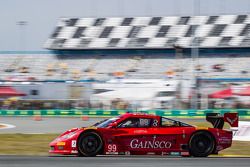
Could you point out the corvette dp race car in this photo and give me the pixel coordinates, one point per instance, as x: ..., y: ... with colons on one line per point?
x: 141, y: 134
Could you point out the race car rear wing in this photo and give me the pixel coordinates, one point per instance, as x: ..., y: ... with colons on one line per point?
x: 218, y: 121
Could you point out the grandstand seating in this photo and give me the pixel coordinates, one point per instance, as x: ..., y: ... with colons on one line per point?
x: 137, y: 33
x: 133, y: 67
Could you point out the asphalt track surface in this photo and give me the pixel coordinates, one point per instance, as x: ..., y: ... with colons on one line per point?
x: 47, y: 125
x: 30, y: 161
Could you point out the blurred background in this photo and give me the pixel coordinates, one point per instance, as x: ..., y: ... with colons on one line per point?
x: 96, y: 58
x: 124, y: 54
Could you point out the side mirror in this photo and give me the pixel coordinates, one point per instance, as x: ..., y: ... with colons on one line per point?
x: 113, y: 125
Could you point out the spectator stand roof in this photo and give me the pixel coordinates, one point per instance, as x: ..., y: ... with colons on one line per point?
x: 7, y: 91
x: 223, y: 31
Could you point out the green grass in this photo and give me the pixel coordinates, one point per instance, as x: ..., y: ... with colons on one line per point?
x: 238, y: 148
x: 25, y: 144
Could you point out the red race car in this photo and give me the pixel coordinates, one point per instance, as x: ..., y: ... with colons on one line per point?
x: 141, y: 134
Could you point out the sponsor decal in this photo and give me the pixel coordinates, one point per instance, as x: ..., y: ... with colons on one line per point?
x: 144, y: 122
x: 155, y: 123
x: 175, y: 153
x: 73, y: 143
x: 136, y: 143
x: 112, y: 148
x: 225, y: 140
x: 231, y: 118
x: 150, y: 153
x: 164, y: 153
x: 74, y: 151
x: 231, y: 121
x: 112, y: 153
x: 185, y: 153
x: 140, y: 131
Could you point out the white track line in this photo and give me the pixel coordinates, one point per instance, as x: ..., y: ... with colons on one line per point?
x: 6, y: 126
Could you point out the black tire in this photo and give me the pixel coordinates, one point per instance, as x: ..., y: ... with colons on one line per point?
x: 201, y: 144
x: 89, y: 144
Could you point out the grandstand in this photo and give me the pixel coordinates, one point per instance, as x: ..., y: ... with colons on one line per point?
x: 42, y: 67
x: 181, y: 48
x: 138, y: 47
x: 151, y: 32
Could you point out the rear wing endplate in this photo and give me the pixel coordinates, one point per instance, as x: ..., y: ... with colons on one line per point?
x: 218, y: 121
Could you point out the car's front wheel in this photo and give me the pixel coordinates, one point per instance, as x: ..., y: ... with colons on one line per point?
x: 201, y: 144
x: 89, y: 144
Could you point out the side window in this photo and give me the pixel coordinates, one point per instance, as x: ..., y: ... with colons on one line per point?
x: 144, y: 122
x: 135, y: 123
x: 169, y: 123
x: 129, y: 123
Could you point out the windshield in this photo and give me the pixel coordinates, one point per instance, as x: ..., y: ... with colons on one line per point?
x: 105, y: 123
x: 166, y: 122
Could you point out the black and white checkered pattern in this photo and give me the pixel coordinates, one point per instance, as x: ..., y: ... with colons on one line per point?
x: 151, y: 32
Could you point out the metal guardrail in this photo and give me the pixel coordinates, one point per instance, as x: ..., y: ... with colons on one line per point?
x: 243, y: 113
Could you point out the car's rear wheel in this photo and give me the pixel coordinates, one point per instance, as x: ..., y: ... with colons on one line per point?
x: 201, y: 144
x: 89, y: 144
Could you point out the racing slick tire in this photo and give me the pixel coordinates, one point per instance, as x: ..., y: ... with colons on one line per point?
x: 89, y: 144
x: 201, y: 144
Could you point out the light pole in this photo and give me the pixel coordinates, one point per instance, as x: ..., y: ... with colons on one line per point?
x: 180, y: 69
x: 22, y: 36
x: 178, y: 58
x: 195, y: 58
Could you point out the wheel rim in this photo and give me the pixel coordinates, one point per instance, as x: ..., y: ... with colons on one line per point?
x: 90, y: 144
x: 202, y: 144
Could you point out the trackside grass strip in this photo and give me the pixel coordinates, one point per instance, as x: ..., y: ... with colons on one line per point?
x: 25, y: 144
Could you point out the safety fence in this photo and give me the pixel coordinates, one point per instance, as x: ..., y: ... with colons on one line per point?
x: 243, y: 113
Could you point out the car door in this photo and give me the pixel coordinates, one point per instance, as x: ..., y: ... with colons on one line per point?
x: 155, y: 140
x: 134, y: 134
x: 169, y: 135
